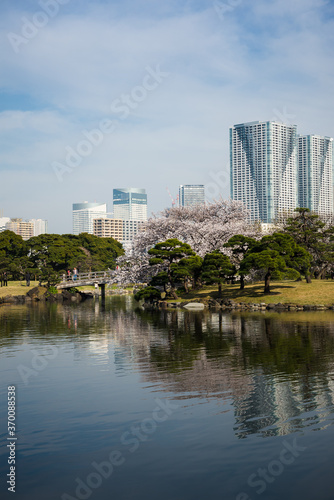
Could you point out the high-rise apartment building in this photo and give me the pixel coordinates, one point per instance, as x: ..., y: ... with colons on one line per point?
x: 315, y: 173
x: 191, y: 195
x: 130, y: 204
x: 83, y: 215
x: 108, y: 228
x: 26, y: 228
x: 21, y: 227
x: 263, y: 162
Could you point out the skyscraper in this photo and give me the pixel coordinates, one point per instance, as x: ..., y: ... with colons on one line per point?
x: 130, y: 204
x: 263, y: 162
x: 315, y: 173
x: 191, y: 194
x: 40, y: 226
x: 83, y: 215
x: 27, y: 228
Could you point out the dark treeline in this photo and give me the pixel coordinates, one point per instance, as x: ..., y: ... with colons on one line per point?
x: 49, y: 255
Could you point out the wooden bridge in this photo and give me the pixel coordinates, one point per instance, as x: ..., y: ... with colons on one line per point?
x: 100, y: 278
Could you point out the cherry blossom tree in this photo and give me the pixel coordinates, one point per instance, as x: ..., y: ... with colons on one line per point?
x: 205, y: 228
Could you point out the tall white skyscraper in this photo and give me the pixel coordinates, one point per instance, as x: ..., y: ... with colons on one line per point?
x: 315, y: 173
x: 40, y: 226
x: 130, y: 204
x: 83, y: 215
x: 191, y: 194
x: 263, y: 162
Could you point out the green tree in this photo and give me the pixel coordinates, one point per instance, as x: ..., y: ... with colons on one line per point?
x: 160, y: 279
x: 313, y: 234
x: 168, y: 253
x: 274, y: 255
x: 149, y: 294
x: 239, y: 246
x: 188, y: 268
x: 216, y: 268
x: 54, y: 253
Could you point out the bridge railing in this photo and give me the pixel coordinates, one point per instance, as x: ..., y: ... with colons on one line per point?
x: 73, y: 278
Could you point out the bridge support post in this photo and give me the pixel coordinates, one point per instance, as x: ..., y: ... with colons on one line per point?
x: 103, y: 292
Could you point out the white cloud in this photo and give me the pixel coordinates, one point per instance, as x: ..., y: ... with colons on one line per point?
x: 264, y: 56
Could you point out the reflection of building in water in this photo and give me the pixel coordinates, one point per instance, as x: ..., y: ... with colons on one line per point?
x: 272, y: 370
x: 279, y: 401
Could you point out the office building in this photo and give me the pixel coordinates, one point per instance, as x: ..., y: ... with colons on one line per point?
x: 264, y: 168
x: 3, y: 222
x: 130, y: 204
x: 315, y: 173
x: 131, y: 228
x: 191, y: 194
x: 83, y: 215
x: 21, y: 227
x: 39, y: 226
x: 108, y: 228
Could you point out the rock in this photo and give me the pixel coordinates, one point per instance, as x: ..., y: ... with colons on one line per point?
x: 9, y: 299
x: 271, y: 306
x: 213, y: 303
x: 37, y: 293
x: 66, y: 295
x: 194, y: 306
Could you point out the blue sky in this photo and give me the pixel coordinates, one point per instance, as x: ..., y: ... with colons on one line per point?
x: 67, y: 66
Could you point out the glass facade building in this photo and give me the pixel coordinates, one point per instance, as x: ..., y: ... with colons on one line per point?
x: 83, y: 215
x: 264, y: 168
x: 191, y: 194
x: 130, y: 204
x: 315, y: 173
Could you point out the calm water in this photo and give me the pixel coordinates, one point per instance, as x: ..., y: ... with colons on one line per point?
x: 125, y: 404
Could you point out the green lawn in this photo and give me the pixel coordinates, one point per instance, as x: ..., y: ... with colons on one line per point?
x: 17, y: 288
x: 292, y: 292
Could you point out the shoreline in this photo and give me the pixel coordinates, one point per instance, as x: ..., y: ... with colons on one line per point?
x: 231, y: 305
x: 41, y: 294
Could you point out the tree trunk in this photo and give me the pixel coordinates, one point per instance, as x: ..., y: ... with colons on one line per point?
x: 267, y: 282
x: 242, y: 282
x: 186, y: 286
x: 219, y: 290
x: 308, y: 278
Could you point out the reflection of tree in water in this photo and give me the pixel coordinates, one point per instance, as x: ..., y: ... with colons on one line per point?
x: 274, y: 368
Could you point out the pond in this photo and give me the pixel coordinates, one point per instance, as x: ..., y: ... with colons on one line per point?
x: 117, y: 402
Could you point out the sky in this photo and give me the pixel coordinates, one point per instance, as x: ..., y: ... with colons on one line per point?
x: 96, y: 95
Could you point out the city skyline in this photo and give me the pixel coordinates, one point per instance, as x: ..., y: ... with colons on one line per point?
x: 147, y: 96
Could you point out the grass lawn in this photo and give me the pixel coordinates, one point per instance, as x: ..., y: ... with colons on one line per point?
x: 17, y: 288
x: 292, y: 292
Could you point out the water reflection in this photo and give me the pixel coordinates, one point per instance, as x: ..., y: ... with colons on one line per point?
x: 275, y: 370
